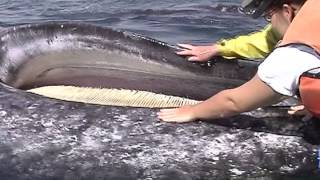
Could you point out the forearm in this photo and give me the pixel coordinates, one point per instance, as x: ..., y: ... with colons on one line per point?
x: 249, y: 96
x: 219, y: 106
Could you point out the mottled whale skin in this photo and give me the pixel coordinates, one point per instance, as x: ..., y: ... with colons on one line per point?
x: 42, y: 138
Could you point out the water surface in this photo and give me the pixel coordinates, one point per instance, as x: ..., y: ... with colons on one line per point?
x: 173, y: 21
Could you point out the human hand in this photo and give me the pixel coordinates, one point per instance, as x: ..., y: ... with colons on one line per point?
x: 178, y: 115
x: 198, y: 53
x: 298, y: 110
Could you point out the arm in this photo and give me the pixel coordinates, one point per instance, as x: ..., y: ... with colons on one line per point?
x: 249, y: 96
x: 253, y: 46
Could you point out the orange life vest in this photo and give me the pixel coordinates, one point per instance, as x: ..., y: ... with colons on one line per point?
x: 309, y: 90
x: 305, y: 30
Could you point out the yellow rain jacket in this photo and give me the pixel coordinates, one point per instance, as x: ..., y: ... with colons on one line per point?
x: 254, y: 46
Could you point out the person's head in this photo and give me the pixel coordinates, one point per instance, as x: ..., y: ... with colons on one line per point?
x: 279, y: 12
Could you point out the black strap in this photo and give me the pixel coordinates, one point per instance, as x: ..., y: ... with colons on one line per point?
x: 304, y: 48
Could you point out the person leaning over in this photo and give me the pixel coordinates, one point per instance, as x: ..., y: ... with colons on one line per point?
x: 278, y: 77
x: 255, y: 46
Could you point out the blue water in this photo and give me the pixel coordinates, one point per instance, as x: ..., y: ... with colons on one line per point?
x: 172, y: 21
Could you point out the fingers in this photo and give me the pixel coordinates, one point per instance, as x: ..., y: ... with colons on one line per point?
x: 196, y: 53
x: 297, y: 110
x: 189, y: 53
x: 291, y: 112
x: 179, y: 115
x: 167, y: 113
x: 186, y: 46
x: 194, y: 58
x: 185, y: 53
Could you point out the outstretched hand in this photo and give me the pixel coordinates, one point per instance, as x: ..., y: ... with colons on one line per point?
x: 198, y: 53
x: 179, y: 115
x: 297, y: 110
x: 300, y: 110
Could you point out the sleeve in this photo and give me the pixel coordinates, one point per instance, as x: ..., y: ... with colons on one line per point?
x: 256, y: 45
x: 282, y: 68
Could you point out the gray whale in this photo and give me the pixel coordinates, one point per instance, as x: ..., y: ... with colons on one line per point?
x: 43, y: 138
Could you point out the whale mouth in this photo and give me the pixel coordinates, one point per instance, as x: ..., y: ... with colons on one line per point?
x: 83, y: 55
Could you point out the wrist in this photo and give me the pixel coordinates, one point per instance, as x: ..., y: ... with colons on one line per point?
x: 217, y: 49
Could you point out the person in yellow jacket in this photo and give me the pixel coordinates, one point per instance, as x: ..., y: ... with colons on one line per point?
x: 278, y: 76
x: 254, y: 46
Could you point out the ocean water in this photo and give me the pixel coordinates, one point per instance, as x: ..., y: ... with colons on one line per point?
x: 172, y: 21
